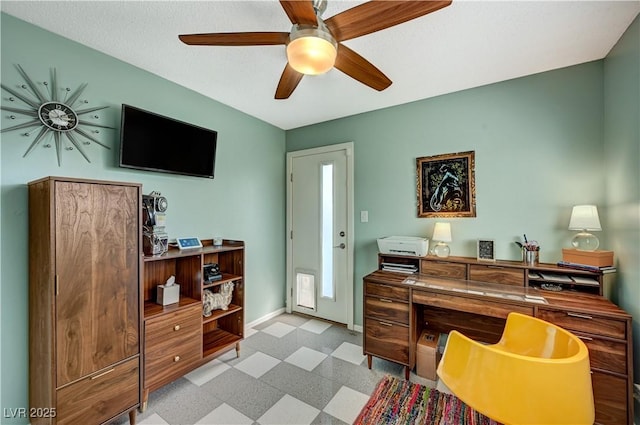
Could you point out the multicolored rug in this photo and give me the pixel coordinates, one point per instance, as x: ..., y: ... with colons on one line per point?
x: 396, y: 401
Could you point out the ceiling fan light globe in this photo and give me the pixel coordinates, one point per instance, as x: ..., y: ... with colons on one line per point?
x: 311, y: 50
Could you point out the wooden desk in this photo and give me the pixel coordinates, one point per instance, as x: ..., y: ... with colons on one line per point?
x: 397, y: 307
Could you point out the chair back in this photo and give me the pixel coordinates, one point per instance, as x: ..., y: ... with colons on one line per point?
x: 538, y: 373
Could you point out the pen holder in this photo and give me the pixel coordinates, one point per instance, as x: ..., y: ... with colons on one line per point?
x: 530, y: 258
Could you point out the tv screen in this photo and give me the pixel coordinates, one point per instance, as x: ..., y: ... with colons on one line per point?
x: 153, y: 142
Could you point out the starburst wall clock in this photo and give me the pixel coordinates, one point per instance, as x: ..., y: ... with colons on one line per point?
x: 54, y: 114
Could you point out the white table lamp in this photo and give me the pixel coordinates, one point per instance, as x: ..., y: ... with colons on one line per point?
x: 441, y: 234
x: 584, y: 218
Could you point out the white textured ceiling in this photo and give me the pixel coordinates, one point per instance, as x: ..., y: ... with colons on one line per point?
x: 465, y: 45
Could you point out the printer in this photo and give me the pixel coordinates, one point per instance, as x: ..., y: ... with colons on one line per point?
x: 404, y: 245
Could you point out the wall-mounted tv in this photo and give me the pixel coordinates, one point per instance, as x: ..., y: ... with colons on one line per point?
x: 152, y: 142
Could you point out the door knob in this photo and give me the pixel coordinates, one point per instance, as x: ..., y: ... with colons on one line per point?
x: 341, y: 246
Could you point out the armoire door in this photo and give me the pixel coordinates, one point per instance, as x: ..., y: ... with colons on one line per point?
x: 97, y: 268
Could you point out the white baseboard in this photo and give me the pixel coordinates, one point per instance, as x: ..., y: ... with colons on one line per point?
x: 264, y: 318
x: 356, y: 328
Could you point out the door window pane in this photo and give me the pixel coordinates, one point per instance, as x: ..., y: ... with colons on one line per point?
x: 328, y: 290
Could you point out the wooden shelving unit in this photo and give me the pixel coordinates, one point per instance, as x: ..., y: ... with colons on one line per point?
x: 185, y: 326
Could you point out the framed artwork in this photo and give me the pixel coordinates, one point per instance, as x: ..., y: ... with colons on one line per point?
x: 446, y: 185
x: 486, y: 250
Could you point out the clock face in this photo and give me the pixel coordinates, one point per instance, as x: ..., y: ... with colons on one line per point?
x: 51, y: 118
x: 58, y: 116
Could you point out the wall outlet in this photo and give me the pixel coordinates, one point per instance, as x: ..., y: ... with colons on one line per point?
x: 364, y: 216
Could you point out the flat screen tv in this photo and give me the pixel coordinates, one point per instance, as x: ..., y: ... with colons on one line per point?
x: 152, y: 142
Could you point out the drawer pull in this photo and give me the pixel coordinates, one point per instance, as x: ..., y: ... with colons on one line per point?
x: 176, y: 359
x: 580, y: 316
x: 102, y: 374
x: 495, y: 267
x: 585, y: 338
x: 385, y: 300
x: 386, y: 324
x: 176, y: 328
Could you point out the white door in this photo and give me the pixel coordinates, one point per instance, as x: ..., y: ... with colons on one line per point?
x: 320, y: 224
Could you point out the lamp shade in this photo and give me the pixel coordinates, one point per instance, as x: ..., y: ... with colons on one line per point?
x: 584, y: 217
x: 442, y: 232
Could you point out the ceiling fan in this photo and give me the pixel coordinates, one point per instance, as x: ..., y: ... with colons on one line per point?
x: 314, y: 45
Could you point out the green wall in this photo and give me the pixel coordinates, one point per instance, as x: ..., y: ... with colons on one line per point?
x: 245, y: 200
x: 622, y: 153
x: 538, y: 150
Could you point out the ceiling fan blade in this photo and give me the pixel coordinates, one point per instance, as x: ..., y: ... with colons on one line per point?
x: 300, y: 12
x: 377, y: 15
x: 236, y: 39
x: 358, y: 68
x: 288, y: 82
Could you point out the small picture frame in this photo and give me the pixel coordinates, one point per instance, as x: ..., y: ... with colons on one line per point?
x: 486, y: 250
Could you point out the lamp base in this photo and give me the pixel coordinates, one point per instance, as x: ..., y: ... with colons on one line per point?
x: 441, y: 250
x: 584, y: 241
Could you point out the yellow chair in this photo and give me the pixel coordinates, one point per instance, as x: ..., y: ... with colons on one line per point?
x: 537, y: 374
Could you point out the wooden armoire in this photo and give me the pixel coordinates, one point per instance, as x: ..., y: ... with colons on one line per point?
x: 84, y: 300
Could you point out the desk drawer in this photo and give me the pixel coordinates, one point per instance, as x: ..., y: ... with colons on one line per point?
x: 387, y: 291
x: 470, y: 305
x: 606, y: 354
x: 387, y: 309
x: 496, y: 274
x: 584, y: 322
x: 444, y: 269
x: 386, y: 340
x: 610, y: 399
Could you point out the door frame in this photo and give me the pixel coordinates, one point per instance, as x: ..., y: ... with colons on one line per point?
x: 348, y: 147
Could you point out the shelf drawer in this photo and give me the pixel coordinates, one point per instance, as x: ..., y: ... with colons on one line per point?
x: 172, y: 326
x: 443, y: 269
x: 170, y: 361
x: 496, y: 274
x: 100, y: 396
x: 606, y: 354
x: 173, y: 344
x: 610, y: 399
x: 387, y: 309
x: 585, y: 322
x: 387, y: 291
x: 386, y: 340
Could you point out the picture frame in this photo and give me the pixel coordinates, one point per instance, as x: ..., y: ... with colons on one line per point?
x: 486, y: 250
x: 446, y: 185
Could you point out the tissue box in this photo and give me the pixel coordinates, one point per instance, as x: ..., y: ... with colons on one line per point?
x: 427, y: 355
x: 168, y: 294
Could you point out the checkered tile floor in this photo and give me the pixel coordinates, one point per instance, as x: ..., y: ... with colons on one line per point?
x: 291, y: 370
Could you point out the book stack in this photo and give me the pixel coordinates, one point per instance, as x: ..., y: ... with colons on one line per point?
x: 587, y: 267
